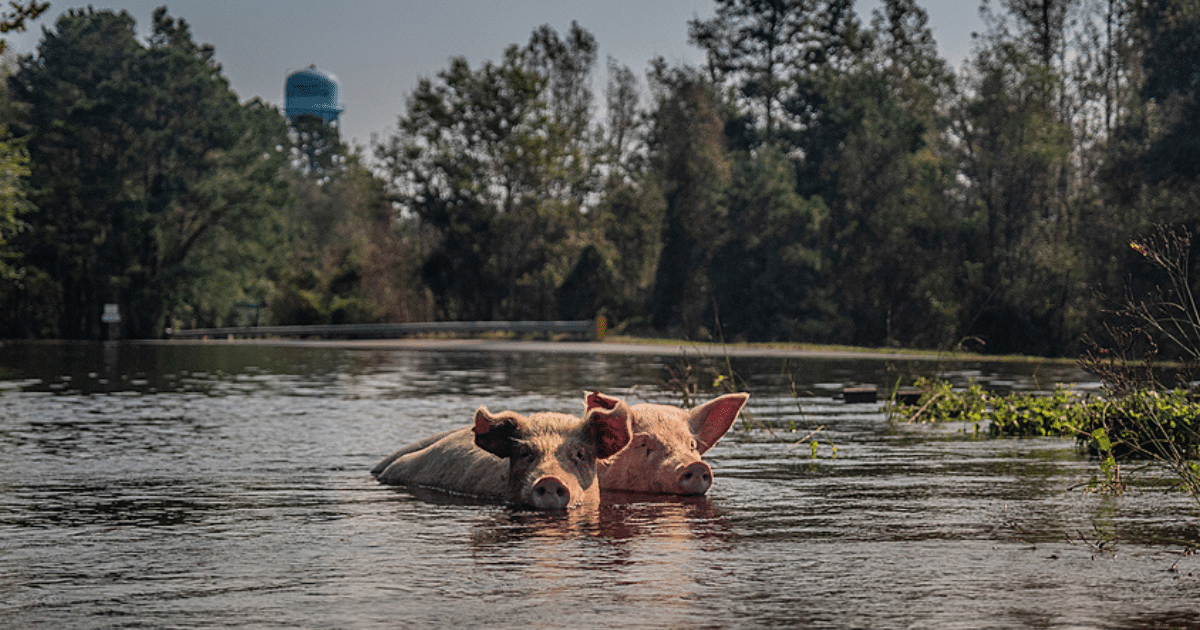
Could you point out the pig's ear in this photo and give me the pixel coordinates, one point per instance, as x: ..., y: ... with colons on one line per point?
x: 710, y: 421
x: 496, y: 433
x: 609, y: 428
x: 596, y: 400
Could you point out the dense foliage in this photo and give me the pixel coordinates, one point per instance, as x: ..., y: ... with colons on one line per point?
x: 141, y: 181
x: 14, y: 159
x: 819, y: 179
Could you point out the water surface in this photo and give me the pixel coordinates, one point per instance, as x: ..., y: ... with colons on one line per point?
x: 175, y: 486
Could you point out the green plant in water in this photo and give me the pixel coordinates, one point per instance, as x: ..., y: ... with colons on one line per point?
x: 1163, y: 427
x: 940, y: 403
x: 1109, y: 480
x: 1063, y: 413
x: 1143, y: 413
x: 1157, y: 426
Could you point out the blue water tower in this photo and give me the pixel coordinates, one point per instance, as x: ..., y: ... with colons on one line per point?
x: 313, y: 91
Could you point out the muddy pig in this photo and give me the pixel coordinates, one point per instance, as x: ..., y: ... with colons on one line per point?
x: 544, y: 461
x: 664, y: 454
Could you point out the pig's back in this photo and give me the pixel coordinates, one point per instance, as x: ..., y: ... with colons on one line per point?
x: 415, y: 446
x: 449, y: 462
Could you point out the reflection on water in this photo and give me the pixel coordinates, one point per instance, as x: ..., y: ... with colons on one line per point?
x: 202, y: 486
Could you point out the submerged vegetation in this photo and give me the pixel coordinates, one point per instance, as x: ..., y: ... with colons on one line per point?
x: 1148, y: 425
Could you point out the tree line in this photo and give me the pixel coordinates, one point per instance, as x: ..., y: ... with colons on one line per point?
x: 817, y: 179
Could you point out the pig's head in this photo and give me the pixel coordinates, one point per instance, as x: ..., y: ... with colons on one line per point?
x: 664, y: 454
x: 551, y: 456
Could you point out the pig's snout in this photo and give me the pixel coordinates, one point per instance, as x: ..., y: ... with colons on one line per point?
x: 695, y: 478
x: 550, y: 494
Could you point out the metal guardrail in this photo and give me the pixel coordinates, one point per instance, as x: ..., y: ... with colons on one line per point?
x: 590, y: 329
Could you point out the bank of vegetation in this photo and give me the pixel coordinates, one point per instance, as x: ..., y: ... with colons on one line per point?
x: 819, y: 179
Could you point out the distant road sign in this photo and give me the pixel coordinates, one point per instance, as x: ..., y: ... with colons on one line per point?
x: 111, y: 314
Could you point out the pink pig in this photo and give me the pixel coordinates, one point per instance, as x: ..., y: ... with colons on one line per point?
x: 664, y: 454
x: 551, y: 457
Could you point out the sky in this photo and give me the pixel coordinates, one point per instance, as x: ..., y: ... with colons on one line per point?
x: 378, y: 49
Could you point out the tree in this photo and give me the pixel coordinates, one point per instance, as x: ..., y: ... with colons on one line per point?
x: 691, y: 170
x: 625, y: 225
x: 905, y: 45
x: 622, y: 146
x: 14, y: 169
x: 767, y: 274
x: 351, y: 259
x: 498, y: 163
x: 629, y: 221
x: 225, y: 242
x: 1171, y: 32
x: 891, y: 235
x: 1145, y: 160
x: 141, y: 157
x: 13, y: 158
x: 14, y: 189
x: 767, y: 49
x: 1023, y: 273
x: 1043, y: 25
x: 75, y: 169
x: 214, y: 170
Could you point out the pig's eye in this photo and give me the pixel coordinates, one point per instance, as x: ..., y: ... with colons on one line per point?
x: 579, y: 454
x: 524, y: 452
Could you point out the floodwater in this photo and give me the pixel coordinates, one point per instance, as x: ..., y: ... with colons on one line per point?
x: 182, y: 486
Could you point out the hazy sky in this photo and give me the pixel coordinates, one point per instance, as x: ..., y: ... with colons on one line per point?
x: 378, y: 49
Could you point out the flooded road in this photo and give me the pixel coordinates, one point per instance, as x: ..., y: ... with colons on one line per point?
x: 179, y: 486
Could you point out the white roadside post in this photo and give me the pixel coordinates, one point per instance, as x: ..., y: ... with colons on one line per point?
x: 112, y: 317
